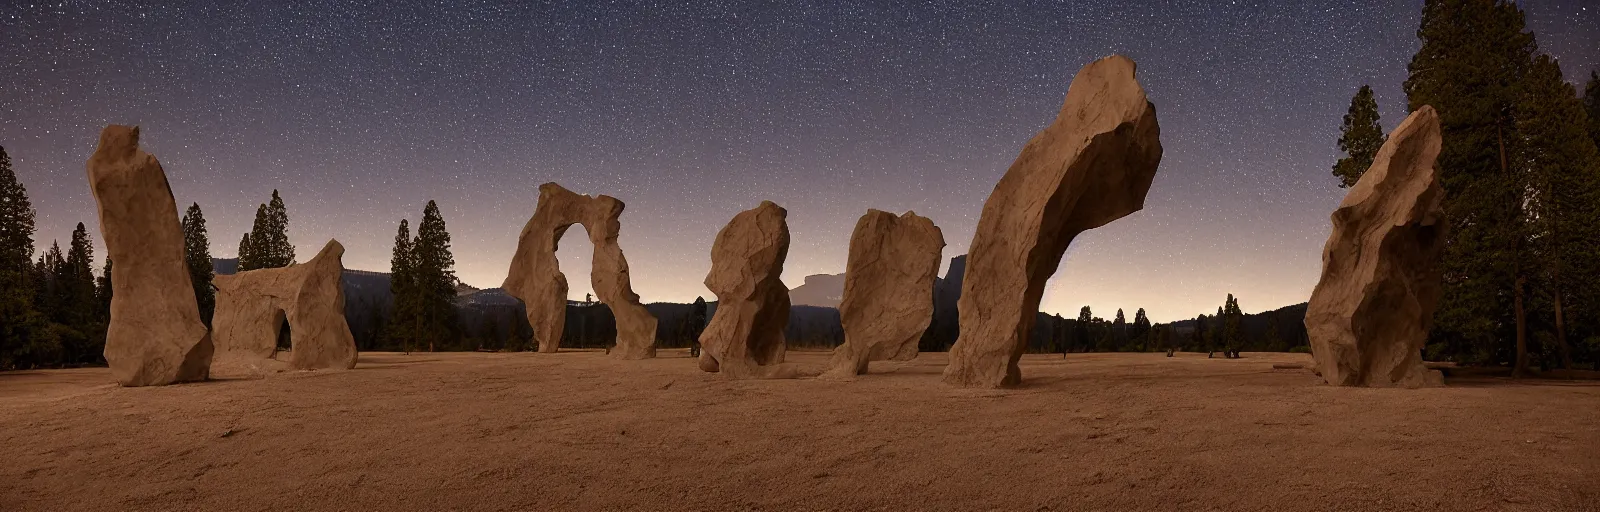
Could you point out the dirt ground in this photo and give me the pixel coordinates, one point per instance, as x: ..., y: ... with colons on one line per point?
x: 579, y: 431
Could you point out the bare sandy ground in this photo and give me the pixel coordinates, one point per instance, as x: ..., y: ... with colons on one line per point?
x: 578, y: 431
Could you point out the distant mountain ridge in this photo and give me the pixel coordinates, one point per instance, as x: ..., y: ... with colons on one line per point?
x: 821, y: 290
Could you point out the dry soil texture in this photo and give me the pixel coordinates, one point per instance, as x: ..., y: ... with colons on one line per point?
x: 581, y: 431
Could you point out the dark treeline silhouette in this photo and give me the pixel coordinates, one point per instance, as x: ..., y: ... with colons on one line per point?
x: 53, y: 310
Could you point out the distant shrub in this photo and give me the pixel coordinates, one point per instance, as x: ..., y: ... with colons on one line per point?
x: 1302, y: 349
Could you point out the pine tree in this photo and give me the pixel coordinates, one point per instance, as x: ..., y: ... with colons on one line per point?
x: 434, y: 277
x: 1081, y: 330
x: 16, y: 221
x: 77, y: 275
x: 254, y: 244
x: 402, y: 325
x: 78, y: 297
x: 197, y: 252
x: 1119, y: 330
x: 245, y: 261
x: 278, y: 233
x: 1360, y: 138
x: 268, y: 241
x: 1563, y: 177
x: 1469, y: 68
x: 1141, y: 331
x: 1232, y: 327
x: 19, y: 319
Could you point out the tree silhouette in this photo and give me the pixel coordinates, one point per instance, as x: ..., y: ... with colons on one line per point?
x: 1360, y: 138
x: 197, y: 253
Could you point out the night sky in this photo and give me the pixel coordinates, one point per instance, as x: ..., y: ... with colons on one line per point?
x: 359, y: 112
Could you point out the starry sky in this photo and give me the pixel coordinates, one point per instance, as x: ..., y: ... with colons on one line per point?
x: 359, y: 112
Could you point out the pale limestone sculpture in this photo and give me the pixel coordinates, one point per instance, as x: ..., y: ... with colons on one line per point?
x: 535, y: 276
x: 1091, y: 166
x: 156, y: 336
x: 1369, y: 316
x: 252, y: 306
x: 888, y: 290
x: 745, y: 336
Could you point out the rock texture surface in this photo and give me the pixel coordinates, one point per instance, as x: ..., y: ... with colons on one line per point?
x: 155, y: 336
x: 888, y: 290
x: 1091, y: 166
x: 535, y: 276
x: 1370, y: 314
x: 252, y: 306
x: 745, y: 336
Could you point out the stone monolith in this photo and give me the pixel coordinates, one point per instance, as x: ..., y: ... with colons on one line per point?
x: 745, y: 336
x: 535, y: 276
x: 155, y: 336
x: 888, y: 290
x: 1369, y: 315
x: 1091, y: 166
x: 253, y: 305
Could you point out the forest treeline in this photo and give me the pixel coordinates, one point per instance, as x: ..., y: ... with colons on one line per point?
x: 1520, y: 167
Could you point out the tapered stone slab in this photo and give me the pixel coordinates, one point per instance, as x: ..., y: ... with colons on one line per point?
x: 745, y: 336
x: 155, y: 336
x: 1091, y: 166
x: 888, y: 290
x: 1370, y: 313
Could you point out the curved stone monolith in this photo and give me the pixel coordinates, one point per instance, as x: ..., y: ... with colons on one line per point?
x: 888, y: 290
x: 745, y: 336
x: 155, y: 336
x: 535, y: 276
x: 1091, y: 166
x: 1370, y: 313
x: 252, y: 306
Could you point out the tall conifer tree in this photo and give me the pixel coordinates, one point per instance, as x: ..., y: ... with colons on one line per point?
x: 77, y: 275
x: 1563, y: 181
x: 197, y: 252
x: 1469, y: 68
x: 18, y: 316
x: 433, y: 275
x: 402, y: 319
x: 87, y: 332
x: 1359, y: 138
x: 268, y: 242
x: 1119, y: 330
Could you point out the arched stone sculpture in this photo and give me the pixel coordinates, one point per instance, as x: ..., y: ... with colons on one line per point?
x: 252, y: 306
x: 1370, y: 313
x: 1091, y: 166
x: 155, y: 337
x: 888, y: 290
x: 745, y: 336
x: 536, y: 277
